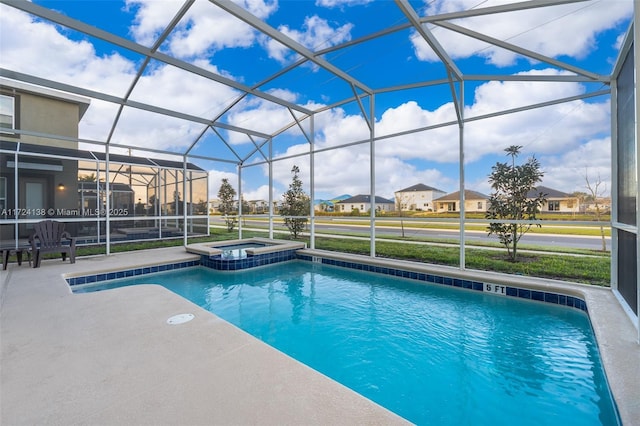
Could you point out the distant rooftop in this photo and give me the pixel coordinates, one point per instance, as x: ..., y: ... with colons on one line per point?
x: 468, y: 195
x: 550, y: 192
x: 419, y: 187
x: 362, y: 198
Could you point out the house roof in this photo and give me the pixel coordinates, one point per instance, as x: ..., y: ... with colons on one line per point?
x: 58, y: 152
x: 468, y: 195
x: 361, y: 198
x: 550, y: 192
x: 419, y: 187
x: 331, y: 201
x: 82, y: 102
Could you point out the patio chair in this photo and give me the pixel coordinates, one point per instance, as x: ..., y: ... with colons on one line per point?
x: 48, y: 237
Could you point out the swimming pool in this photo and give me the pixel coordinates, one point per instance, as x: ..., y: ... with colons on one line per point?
x: 432, y: 354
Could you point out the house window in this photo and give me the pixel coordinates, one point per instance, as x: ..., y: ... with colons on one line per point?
x: 554, y: 206
x: 3, y: 195
x: 7, y: 113
x: 479, y: 205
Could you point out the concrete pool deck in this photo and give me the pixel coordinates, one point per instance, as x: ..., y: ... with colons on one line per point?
x: 111, y: 358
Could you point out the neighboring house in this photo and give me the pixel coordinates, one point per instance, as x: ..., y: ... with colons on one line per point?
x: 39, y: 128
x: 323, y: 206
x: 44, y: 183
x: 214, y: 206
x: 557, y: 201
x: 328, y: 206
x: 474, y: 202
x: 418, y: 197
x: 258, y: 207
x: 363, y: 204
x: 248, y: 207
x: 604, y: 204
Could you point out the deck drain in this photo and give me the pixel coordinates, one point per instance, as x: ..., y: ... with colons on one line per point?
x: 180, y: 319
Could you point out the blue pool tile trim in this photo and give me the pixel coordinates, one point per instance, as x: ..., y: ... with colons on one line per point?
x: 218, y: 263
x: 522, y: 293
x: 104, y: 276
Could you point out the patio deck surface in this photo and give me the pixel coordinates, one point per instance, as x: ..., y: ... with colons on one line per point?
x: 110, y: 358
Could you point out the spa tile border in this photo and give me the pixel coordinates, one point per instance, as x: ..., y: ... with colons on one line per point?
x: 104, y: 276
x: 509, y: 291
x: 219, y: 263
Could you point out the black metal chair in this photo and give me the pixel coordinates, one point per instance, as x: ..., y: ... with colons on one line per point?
x: 49, y: 237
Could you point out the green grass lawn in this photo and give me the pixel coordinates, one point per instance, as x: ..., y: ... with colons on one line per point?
x: 582, y: 269
x: 548, y: 226
x: 585, y: 269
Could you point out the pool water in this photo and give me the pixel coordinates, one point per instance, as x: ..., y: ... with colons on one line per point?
x: 432, y: 354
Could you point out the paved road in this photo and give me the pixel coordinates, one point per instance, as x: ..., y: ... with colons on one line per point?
x: 554, y: 240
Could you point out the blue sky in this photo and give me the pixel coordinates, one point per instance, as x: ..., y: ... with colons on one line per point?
x: 569, y: 139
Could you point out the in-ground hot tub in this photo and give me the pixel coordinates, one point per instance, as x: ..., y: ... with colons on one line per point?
x: 245, y: 253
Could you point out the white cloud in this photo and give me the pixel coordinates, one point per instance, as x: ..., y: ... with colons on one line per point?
x: 544, y: 130
x: 547, y: 130
x: 151, y: 17
x: 335, y: 127
x: 215, y: 180
x: 41, y: 49
x: 341, y: 3
x: 554, y: 133
x: 347, y: 171
x: 569, y: 171
x: 260, y: 115
x: 204, y: 28
x: 619, y: 41
x: 439, y: 145
x: 316, y: 34
x: 172, y: 88
x: 537, y: 29
x: 260, y: 193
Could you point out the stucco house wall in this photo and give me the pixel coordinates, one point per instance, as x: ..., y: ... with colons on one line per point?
x: 418, y: 197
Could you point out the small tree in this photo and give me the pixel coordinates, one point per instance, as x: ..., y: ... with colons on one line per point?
x: 595, y: 193
x: 87, y: 178
x: 295, y: 203
x: 226, y: 195
x: 246, y: 209
x: 511, y: 184
x: 401, y: 201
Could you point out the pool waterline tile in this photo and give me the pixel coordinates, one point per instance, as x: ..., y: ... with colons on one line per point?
x: 217, y: 262
x: 509, y: 291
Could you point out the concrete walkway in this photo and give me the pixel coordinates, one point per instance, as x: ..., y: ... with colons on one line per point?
x: 110, y: 358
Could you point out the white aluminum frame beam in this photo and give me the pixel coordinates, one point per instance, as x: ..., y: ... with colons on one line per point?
x: 82, y: 27
x: 433, y: 42
x: 253, y: 21
x: 518, y: 50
